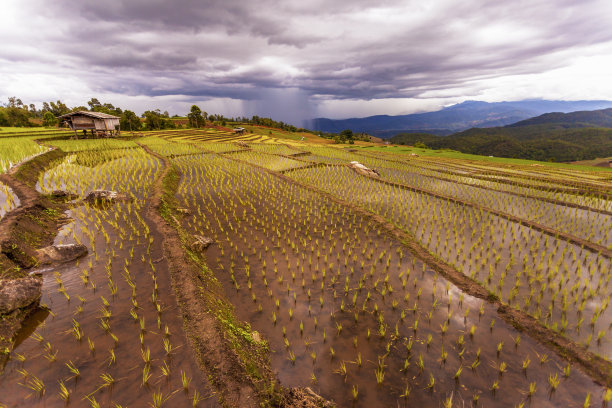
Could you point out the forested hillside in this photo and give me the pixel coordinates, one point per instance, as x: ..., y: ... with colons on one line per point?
x: 554, y: 136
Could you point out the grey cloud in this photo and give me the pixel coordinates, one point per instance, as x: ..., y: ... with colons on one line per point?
x: 340, y: 50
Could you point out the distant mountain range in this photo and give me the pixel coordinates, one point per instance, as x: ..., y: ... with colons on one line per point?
x: 455, y: 118
x: 574, y: 136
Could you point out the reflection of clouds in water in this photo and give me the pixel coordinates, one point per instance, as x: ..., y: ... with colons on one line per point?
x: 8, y: 200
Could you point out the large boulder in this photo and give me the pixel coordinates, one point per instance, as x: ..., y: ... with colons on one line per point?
x: 361, y: 169
x: 19, y: 293
x: 60, y: 253
x: 107, y: 196
x: 201, y: 243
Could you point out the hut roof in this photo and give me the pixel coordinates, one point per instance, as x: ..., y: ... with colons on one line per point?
x: 97, y: 115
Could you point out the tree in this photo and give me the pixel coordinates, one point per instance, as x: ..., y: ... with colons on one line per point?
x: 152, y: 120
x: 96, y: 106
x: 196, y: 119
x: 3, y: 118
x: 49, y: 119
x: 155, y: 120
x: 17, y: 117
x: 56, y: 108
x: 130, y: 121
x: 94, y: 103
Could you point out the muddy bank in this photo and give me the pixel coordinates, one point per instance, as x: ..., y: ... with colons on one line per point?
x: 24, y: 231
x: 32, y: 225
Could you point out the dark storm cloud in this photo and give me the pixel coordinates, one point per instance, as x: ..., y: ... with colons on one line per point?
x: 361, y: 49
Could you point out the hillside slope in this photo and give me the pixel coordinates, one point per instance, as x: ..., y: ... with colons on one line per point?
x: 597, y: 118
x: 556, y: 136
x: 455, y: 118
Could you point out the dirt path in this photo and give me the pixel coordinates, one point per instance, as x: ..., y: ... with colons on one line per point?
x: 599, y: 369
x: 27, y: 195
x: 216, y: 361
x: 35, y: 222
x: 208, y: 341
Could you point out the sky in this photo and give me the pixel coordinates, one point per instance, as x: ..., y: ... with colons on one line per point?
x: 295, y: 60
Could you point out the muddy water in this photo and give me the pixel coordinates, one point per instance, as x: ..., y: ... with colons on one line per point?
x: 124, y: 252
x: 504, y: 256
x: 8, y: 200
x: 302, y: 257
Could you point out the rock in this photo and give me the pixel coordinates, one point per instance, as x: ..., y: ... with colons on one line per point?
x: 59, y: 194
x: 360, y: 168
x: 61, y: 253
x: 63, y: 195
x: 201, y: 243
x: 306, y: 398
x: 256, y: 336
x: 104, y: 196
x: 19, y: 293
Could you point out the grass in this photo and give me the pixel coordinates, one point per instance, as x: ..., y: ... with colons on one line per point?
x: 9, y: 129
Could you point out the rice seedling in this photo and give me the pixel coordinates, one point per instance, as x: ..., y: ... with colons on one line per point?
x: 432, y: 382
x: 63, y: 392
x: 197, y: 398
x: 185, y: 381
x: 158, y: 399
x: 35, y: 384
x: 107, y: 380
x: 587, y: 400
x: 73, y: 369
x: 146, y: 374
x: 531, y: 390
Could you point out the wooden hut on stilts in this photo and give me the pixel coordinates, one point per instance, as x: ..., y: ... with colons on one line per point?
x: 99, y: 124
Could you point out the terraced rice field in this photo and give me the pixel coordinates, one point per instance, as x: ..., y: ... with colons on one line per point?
x: 441, y: 282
